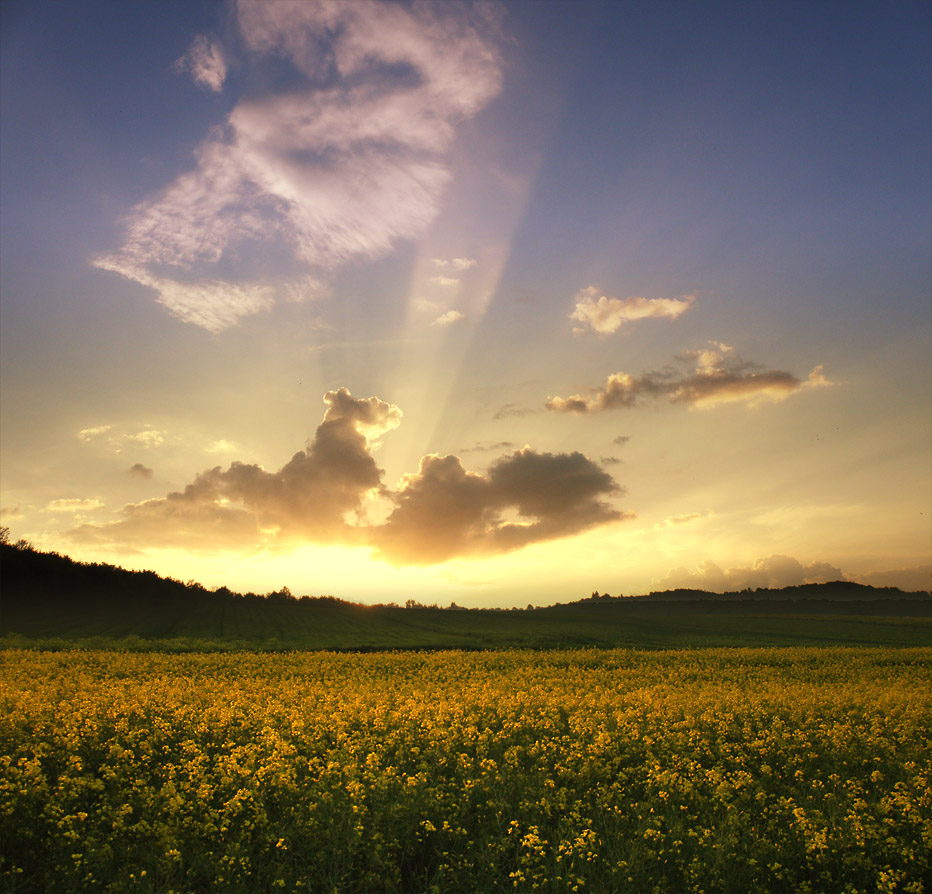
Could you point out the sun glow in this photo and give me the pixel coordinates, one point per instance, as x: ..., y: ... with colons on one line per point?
x: 478, y: 301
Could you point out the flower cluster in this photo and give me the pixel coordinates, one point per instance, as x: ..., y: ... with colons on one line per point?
x: 718, y: 770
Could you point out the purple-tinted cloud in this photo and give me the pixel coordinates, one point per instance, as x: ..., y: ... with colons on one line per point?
x: 342, y: 163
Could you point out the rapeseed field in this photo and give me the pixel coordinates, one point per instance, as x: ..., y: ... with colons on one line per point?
x: 730, y: 770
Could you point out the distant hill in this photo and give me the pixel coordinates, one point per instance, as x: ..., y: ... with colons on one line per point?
x: 49, y: 599
x: 839, y: 590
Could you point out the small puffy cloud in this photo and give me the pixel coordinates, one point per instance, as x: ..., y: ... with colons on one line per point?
x: 484, y: 447
x: 456, y: 264
x: 717, y: 376
x: 620, y: 390
x: 11, y: 513
x: 817, y: 378
x: 674, y: 520
x: 447, y: 282
x: 437, y: 513
x: 205, y: 62
x: 73, y: 505
x: 449, y: 318
x: 116, y: 441
x: 221, y: 446
x: 428, y: 306
x: 444, y: 285
x: 621, y: 440
x: 773, y: 573
x: 601, y: 314
x: 87, y: 434
x: 610, y: 461
x: 340, y: 150
x: 138, y: 470
x: 148, y: 438
x: 508, y: 410
x: 443, y: 511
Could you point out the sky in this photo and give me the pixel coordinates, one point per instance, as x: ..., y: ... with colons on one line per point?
x: 497, y: 303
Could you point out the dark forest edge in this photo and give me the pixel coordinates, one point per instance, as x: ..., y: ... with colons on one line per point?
x: 54, y: 602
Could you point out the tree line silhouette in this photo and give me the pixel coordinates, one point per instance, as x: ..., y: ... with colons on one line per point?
x: 46, y: 594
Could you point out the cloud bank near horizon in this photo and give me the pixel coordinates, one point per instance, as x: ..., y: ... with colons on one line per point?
x: 701, y: 378
x: 321, y: 495
x: 917, y: 578
x: 773, y: 572
x: 345, y: 156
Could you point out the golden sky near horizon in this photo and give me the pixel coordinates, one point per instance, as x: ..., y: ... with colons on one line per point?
x: 493, y: 303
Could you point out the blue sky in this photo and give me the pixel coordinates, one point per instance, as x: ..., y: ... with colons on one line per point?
x: 638, y: 294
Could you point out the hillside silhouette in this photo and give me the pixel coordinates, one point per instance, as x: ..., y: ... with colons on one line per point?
x: 50, y: 599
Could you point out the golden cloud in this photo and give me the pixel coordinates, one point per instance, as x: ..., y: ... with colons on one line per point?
x: 443, y: 511
x: 718, y: 377
x: 600, y: 313
x: 73, y: 505
x: 437, y: 513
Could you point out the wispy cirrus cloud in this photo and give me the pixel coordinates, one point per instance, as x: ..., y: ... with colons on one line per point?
x: 440, y: 512
x: 346, y: 156
x: 598, y: 313
x: 457, y: 265
x: 506, y: 411
x: 148, y: 438
x: 717, y: 376
x: 116, y: 441
x: 88, y: 434
x: 205, y: 62
x: 440, y: 287
x: 73, y: 505
x: 674, y: 520
x: 449, y: 318
x: 221, y: 446
x: 484, y: 447
x: 447, y: 282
